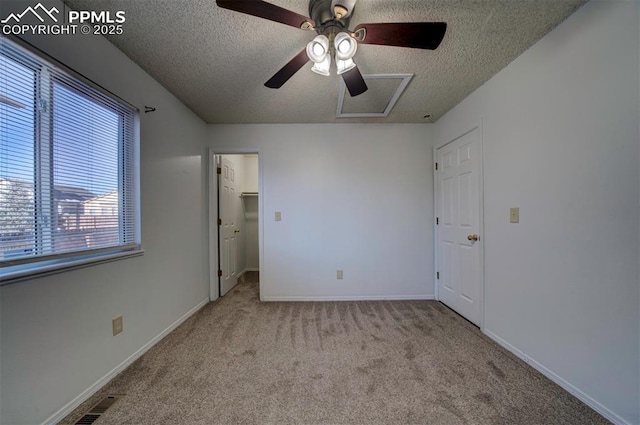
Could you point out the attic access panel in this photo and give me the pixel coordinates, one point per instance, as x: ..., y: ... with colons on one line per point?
x: 377, y: 102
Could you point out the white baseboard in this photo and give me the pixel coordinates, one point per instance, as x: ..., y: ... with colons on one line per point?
x: 586, y: 399
x: 82, y: 397
x: 349, y: 298
x: 246, y: 270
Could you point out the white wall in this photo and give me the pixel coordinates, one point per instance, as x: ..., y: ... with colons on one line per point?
x: 250, y: 173
x: 561, y: 141
x: 353, y: 197
x: 56, y: 331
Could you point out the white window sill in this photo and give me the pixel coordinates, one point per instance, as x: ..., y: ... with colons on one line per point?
x: 14, y: 274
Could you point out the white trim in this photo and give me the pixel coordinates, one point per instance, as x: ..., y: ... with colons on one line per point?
x: 65, y: 265
x: 436, y: 287
x: 481, y: 224
x: 212, y: 193
x: 350, y: 298
x: 84, y: 396
x: 586, y: 399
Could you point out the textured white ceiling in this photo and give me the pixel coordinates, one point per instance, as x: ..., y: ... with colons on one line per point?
x: 216, y: 61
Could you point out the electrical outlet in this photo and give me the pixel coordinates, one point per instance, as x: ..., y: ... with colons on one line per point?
x: 514, y: 215
x: 116, y: 324
x: 339, y: 275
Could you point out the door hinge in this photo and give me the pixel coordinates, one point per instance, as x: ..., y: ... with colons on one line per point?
x: 437, y: 275
x: 436, y: 166
x: 219, y: 273
x: 437, y: 221
x: 219, y: 170
x: 219, y: 222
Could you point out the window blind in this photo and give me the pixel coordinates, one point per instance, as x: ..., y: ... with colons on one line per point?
x: 66, y: 163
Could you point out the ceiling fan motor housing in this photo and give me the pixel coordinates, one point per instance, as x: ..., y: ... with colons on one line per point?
x: 326, y: 23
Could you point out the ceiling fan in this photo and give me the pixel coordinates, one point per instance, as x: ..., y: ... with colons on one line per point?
x: 330, y: 19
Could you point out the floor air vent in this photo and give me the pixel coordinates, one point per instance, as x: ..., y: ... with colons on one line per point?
x: 87, y: 419
x: 94, y: 414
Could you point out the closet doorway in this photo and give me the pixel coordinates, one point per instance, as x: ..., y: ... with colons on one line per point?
x: 235, y: 193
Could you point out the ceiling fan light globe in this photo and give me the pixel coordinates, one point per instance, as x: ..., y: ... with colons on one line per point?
x: 318, y: 49
x: 346, y: 46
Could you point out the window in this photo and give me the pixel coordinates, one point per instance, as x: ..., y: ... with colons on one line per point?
x: 67, y: 168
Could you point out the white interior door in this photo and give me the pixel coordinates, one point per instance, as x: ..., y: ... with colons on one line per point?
x: 228, y: 227
x: 459, y: 248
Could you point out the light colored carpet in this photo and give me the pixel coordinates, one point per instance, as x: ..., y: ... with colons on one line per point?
x: 240, y: 361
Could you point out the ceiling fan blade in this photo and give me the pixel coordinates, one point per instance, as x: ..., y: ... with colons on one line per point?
x: 288, y: 70
x: 419, y: 35
x: 269, y: 11
x: 354, y: 82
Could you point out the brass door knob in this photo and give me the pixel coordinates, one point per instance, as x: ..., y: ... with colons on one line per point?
x: 473, y: 237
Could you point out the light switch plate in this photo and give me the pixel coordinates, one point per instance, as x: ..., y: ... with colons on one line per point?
x: 514, y: 215
x: 339, y: 275
x: 116, y: 324
x: 278, y: 216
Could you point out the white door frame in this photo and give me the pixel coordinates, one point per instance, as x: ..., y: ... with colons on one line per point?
x: 437, y: 146
x: 214, y: 290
